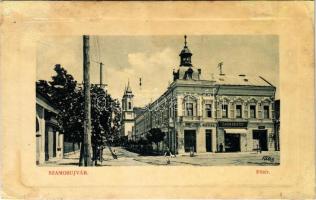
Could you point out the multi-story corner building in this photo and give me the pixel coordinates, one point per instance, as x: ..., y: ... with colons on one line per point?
x: 224, y: 114
x: 127, y: 112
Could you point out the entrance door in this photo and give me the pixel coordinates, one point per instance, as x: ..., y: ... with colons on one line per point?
x: 46, y: 144
x: 54, y: 143
x: 261, y: 136
x: 232, y: 142
x: 189, y: 140
x: 208, y: 140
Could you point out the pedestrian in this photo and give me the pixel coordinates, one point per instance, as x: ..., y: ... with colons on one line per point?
x: 101, y: 155
x: 168, y: 156
x: 114, y: 154
x: 220, y: 147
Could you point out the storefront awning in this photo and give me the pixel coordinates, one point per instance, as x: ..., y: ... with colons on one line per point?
x: 235, y: 130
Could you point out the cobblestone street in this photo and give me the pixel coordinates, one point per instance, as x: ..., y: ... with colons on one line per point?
x: 127, y: 158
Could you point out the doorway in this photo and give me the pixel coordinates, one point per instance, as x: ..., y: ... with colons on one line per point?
x: 46, y: 145
x: 261, y: 137
x: 189, y: 140
x: 208, y: 140
x: 54, y: 143
x: 232, y: 142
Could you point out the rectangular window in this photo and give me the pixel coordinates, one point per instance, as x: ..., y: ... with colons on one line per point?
x: 129, y: 105
x: 170, y: 112
x: 225, y: 111
x: 266, y: 112
x: 252, y: 111
x: 208, y: 110
x: 189, y: 107
x: 238, y: 111
x: 175, y: 111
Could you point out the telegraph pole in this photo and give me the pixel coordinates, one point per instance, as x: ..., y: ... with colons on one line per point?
x: 101, y: 69
x: 87, y: 103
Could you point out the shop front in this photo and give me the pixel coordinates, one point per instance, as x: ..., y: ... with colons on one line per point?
x: 235, y: 139
x: 260, y: 140
x: 232, y: 136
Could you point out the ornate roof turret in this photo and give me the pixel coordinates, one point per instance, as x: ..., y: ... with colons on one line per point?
x: 186, y: 70
x: 185, y: 55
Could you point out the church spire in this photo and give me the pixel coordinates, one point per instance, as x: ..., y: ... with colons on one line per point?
x: 128, y: 88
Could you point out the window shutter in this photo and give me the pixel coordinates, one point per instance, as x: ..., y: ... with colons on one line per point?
x: 245, y: 111
x: 260, y: 116
x: 219, y: 111
x: 231, y: 110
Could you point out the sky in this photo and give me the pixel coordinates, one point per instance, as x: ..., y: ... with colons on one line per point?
x: 153, y: 58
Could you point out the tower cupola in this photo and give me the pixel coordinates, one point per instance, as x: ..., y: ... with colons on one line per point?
x: 185, y: 55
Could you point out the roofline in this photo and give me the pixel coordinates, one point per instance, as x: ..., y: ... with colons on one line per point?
x: 45, y: 103
x: 267, y: 81
x: 236, y: 85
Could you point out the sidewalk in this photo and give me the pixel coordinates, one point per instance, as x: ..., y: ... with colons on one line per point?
x: 67, y: 160
x: 127, y: 158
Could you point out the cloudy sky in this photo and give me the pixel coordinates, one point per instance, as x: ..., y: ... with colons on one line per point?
x: 153, y: 58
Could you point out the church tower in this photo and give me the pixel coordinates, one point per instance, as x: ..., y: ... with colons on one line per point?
x: 127, y: 112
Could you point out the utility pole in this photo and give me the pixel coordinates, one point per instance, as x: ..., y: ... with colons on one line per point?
x: 101, y: 69
x: 87, y: 103
x: 220, y: 66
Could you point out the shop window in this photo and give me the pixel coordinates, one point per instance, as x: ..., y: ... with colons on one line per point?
x: 266, y: 112
x: 225, y: 111
x: 252, y: 111
x: 238, y: 111
x: 189, y: 109
x: 208, y: 110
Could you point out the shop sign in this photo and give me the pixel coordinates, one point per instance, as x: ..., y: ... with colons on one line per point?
x: 261, y: 127
x: 191, y: 125
x: 233, y: 124
x: 208, y: 125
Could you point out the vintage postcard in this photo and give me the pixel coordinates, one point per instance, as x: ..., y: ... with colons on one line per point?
x: 158, y: 100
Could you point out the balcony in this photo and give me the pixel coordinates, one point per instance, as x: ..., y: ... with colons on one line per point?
x: 190, y: 118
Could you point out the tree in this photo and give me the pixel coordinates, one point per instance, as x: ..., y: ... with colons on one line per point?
x: 155, y: 135
x: 68, y: 97
x: 105, y: 123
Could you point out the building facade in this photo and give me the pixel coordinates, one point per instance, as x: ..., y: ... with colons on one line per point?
x: 225, y: 114
x: 49, y: 142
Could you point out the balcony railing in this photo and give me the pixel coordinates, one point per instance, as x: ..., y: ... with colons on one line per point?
x: 190, y: 118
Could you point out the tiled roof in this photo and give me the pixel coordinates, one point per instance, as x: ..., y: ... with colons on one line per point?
x: 241, y: 80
